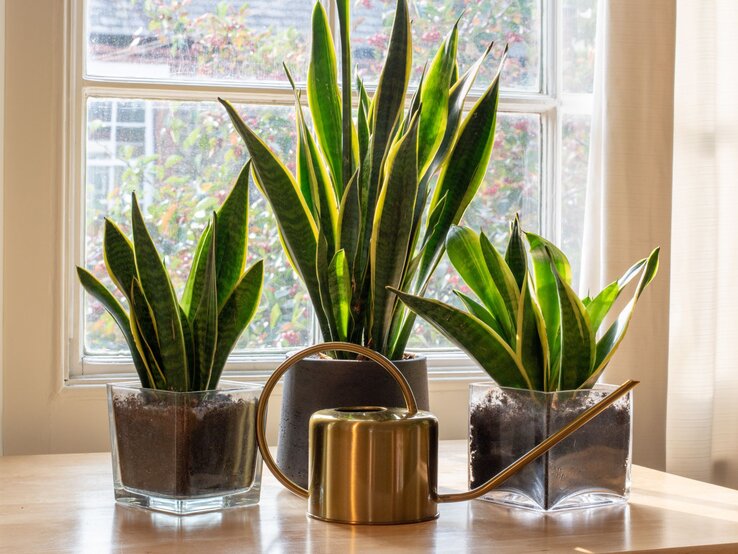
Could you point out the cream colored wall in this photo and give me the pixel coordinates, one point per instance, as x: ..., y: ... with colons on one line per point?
x: 2, y: 147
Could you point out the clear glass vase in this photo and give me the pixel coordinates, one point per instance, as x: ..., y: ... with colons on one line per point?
x: 185, y: 452
x: 589, y: 468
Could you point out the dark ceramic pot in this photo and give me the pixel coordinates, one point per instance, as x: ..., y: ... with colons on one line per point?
x: 317, y: 384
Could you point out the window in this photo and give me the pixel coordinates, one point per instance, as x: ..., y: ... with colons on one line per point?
x: 143, y: 79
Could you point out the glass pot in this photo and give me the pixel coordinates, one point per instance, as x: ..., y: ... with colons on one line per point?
x: 185, y: 452
x: 590, y: 468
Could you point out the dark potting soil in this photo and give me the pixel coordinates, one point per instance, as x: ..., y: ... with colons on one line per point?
x: 206, y: 447
x: 506, y: 424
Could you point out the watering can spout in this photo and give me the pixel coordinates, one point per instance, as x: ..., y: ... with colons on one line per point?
x: 542, y: 448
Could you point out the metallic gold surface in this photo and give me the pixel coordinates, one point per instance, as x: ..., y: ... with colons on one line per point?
x: 407, y: 393
x: 373, y: 465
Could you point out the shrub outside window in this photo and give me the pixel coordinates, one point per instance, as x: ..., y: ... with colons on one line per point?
x: 142, y: 96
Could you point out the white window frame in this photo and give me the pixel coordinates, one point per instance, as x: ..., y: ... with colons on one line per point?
x: 445, y: 364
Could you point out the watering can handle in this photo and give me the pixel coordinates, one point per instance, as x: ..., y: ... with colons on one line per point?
x: 407, y: 393
x: 547, y: 444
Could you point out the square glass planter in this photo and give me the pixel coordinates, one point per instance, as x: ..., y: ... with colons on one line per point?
x: 589, y: 468
x: 185, y: 452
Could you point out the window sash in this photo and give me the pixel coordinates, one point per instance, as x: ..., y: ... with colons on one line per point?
x: 548, y: 103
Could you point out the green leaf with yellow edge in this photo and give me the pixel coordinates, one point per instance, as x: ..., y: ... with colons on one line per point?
x: 516, y: 257
x: 235, y: 316
x: 193, y: 286
x: 600, y: 305
x: 322, y: 262
x: 472, y: 336
x: 119, y: 258
x: 456, y: 102
x: 232, y: 230
x: 323, y: 94
x: 344, y: 29
x: 205, y: 322
x: 578, y: 345
x: 313, y: 171
x: 349, y: 221
x: 480, y: 312
x: 465, y: 252
x: 98, y: 291
x: 547, y: 292
x: 532, y: 344
x: 387, y: 106
x: 392, y: 230
x: 614, y: 336
x: 339, y: 287
x: 434, y: 94
x: 297, y: 229
x: 501, y: 276
x: 160, y: 294
x: 539, y: 245
x: 460, y: 177
x: 145, y: 334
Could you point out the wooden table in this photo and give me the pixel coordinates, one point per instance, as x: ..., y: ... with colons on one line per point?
x: 64, y: 503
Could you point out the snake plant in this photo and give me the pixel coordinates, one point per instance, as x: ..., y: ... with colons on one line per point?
x: 528, y: 328
x: 182, y: 345
x: 374, y: 196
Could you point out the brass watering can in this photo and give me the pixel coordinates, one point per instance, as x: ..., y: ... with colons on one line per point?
x: 377, y: 465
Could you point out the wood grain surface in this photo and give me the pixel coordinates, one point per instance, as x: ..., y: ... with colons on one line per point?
x: 64, y: 503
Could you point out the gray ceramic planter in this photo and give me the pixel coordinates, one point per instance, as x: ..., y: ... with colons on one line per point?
x: 318, y: 384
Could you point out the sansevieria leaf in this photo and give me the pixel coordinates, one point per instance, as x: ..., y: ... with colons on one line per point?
x: 531, y: 345
x: 600, y: 305
x: 433, y: 97
x: 612, y: 339
x: 339, y: 287
x: 324, y: 96
x: 480, y: 312
x: 235, y: 315
x: 391, y: 237
x: 577, y: 339
x: 470, y: 334
x: 461, y: 176
x: 159, y: 292
x: 232, y: 230
x: 344, y: 26
x: 119, y: 258
x: 547, y: 291
x: 145, y: 334
x: 465, y: 252
x: 501, y: 276
x: 295, y: 222
x: 205, y: 322
x: 193, y: 286
x: 388, y: 101
x: 516, y: 256
x: 98, y: 291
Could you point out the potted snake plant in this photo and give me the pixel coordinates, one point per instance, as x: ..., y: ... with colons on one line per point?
x: 369, y: 207
x: 183, y: 441
x: 545, y: 348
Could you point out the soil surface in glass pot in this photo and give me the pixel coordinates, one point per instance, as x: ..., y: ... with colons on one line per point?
x: 508, y: 423
x: 193, y: 447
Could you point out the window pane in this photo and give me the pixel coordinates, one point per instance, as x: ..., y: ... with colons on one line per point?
x: 574, y: 159
x: 517, y: 22
x: 181, y: 158
x: 579, y: 22
x: 512, y: 185
x: 198, y: 39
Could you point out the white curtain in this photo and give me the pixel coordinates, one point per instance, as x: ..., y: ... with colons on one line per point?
x: 703, y: 379
x: 628, y: 209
